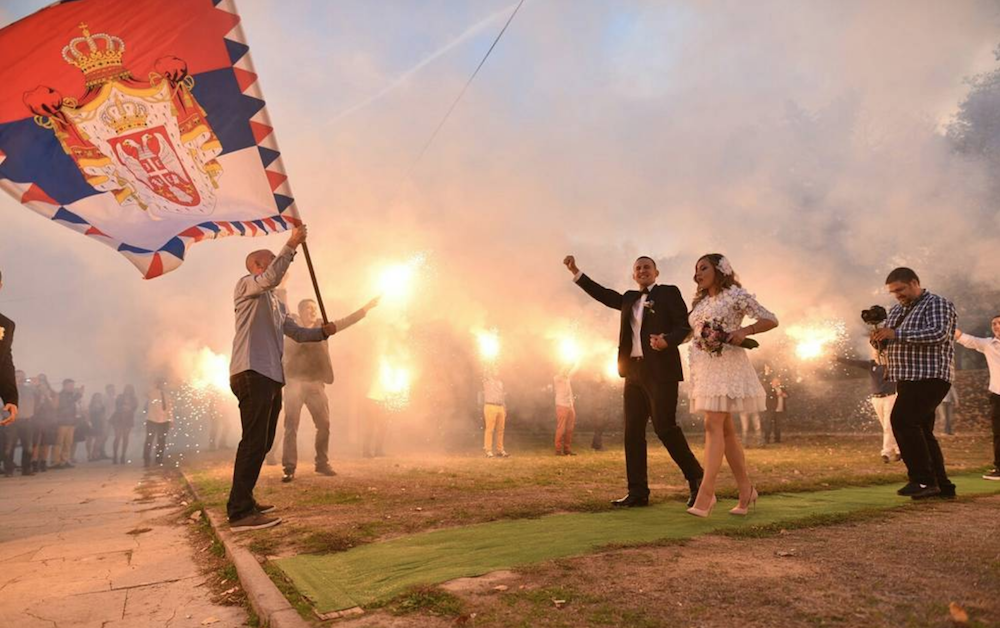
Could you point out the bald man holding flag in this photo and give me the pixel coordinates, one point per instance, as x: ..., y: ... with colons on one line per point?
x: 256, y: 375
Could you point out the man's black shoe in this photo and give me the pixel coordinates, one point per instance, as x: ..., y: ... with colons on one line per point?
x: 327, y: 471
x: 694, y: 486
x: 910, y: 489
x: 630, y: 501
x: 948, y: 492
x: 253, y: 521
x: 287, y: 476
x: 930, y: 490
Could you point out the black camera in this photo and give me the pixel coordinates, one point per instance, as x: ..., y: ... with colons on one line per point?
x: 874, y: 316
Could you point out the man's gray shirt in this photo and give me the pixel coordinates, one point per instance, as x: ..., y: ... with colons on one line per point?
x: 261, y: 320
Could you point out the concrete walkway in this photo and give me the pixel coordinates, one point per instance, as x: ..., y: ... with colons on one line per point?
x: 75, y: 552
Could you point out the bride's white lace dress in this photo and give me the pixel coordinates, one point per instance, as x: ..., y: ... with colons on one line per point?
x: 726, y: 382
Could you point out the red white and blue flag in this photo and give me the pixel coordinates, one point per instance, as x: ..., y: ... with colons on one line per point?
x: 140, y: 124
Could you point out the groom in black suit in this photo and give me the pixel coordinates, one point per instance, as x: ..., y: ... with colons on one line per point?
x: 654, y: 322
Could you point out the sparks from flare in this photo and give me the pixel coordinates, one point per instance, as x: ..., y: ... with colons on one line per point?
x: 569, y: 351
x: 211, y: 370
x: 611, y: 369
x: 811, y: 340
x: 396, y: 282
x: 489, y: 345
x: 393, y: 385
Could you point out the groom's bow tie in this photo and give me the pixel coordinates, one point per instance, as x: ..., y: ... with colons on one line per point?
x: 644, y: 291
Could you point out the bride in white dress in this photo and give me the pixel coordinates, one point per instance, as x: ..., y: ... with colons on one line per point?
x: 722, y: 379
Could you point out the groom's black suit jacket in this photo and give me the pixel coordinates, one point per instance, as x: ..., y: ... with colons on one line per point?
x: 666, y: 313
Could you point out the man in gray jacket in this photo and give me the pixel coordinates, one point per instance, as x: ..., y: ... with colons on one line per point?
x: 256, y: 375
x: 309, y: 370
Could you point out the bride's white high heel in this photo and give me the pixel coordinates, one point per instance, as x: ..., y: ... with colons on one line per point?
x: 751, y: 503
x: 698, y: 512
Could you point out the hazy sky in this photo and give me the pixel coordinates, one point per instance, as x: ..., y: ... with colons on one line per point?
x: 804, y: 140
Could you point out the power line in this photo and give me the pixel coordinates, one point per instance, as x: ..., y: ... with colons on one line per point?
x: 466, y: 87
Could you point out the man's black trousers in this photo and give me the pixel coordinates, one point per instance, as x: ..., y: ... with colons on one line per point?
x: 913, y: 426
x: 649, y: 398
x: 260, y: 404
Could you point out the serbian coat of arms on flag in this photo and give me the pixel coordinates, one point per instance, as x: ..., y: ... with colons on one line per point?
x: 140, y: 124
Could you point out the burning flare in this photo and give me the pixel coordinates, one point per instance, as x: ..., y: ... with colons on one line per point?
x: 393, y: 384
x: 396, y: 282
x: 211, y: 370
x: 489, y: 344
x: 569, y: 350
x: 812, y: 340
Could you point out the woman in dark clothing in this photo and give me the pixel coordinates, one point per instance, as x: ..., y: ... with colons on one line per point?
x: 123, y: 420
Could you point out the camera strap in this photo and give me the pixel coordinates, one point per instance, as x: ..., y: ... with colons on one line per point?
x: 905, y: 315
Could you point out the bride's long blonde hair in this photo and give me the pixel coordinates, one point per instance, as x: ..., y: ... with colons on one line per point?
x: 722, y: 280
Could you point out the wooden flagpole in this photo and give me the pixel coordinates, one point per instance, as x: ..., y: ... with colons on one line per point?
x: 312, y: 275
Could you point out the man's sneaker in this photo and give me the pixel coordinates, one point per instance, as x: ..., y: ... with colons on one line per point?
x: 910, y: 489
x: 264, y: 509
x: 948, y: 492
x: 287, y: 476
x: 255, y: 521
x: 992, y: 475
x: 327, y: 471
x: 489, y: 454
x: 928, y: 490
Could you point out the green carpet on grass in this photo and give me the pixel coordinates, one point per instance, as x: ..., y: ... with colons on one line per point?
x: 380, y: 571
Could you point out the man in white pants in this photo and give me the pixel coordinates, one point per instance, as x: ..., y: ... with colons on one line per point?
x: 990, y: 347
x: 883, y: 399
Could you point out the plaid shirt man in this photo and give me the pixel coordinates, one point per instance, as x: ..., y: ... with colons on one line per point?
x: 924, y: 346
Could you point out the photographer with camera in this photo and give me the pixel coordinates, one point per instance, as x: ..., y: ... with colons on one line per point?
x: 918, y: 342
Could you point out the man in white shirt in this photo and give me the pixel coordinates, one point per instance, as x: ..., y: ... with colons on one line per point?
x: 990, y: 347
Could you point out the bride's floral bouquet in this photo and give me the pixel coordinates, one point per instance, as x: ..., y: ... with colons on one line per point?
x: 712, y: 338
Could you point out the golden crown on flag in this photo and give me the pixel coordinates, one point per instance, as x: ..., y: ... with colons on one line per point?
x: 125, y: 115
x: 98, y: 56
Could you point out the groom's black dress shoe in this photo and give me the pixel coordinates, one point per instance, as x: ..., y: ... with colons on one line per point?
x: 694, y: 486
x: 630, y: 501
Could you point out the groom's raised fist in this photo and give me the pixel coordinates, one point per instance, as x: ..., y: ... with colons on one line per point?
x: 570, y: 263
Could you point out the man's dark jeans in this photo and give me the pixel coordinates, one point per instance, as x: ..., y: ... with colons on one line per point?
x: 260, y: 404
x: 913, y: 425
x: 21, y: 430
x: 155, y: 432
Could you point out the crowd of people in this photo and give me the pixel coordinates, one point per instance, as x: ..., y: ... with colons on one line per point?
x: 58, y: 429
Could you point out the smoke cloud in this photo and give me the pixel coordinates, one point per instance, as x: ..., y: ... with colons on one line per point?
x: 806, y: 141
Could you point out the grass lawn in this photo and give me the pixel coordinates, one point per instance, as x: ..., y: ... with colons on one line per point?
x: 377, y: 499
